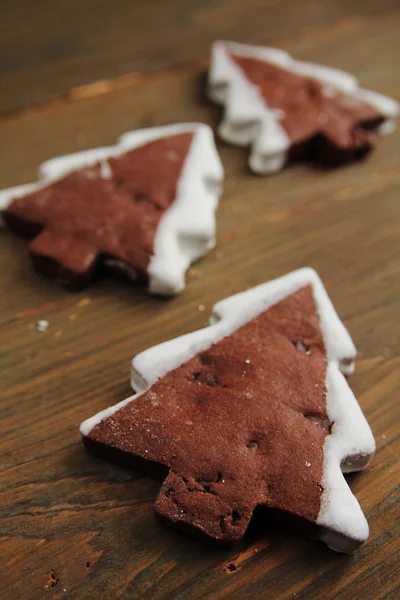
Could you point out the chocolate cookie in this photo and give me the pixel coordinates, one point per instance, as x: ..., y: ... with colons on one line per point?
x: 290, y: 110
x: 251, y: 411
x: 143, y: 209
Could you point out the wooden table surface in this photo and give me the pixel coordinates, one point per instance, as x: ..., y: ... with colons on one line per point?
x: 71, y: 525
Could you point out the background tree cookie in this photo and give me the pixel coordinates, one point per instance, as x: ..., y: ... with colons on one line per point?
x: 143, y: 209
x: 287, y: 109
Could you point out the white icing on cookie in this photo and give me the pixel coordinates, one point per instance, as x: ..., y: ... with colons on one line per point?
x: 248, y: 120
x: 343, y: 525
x: 346, y: 525
x: 186, y: 230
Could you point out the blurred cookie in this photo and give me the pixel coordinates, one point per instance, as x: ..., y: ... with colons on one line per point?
x: 287, y: 109
x: 144, y: 209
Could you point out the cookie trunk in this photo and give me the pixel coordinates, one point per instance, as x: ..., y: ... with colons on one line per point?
x: 195, y: 506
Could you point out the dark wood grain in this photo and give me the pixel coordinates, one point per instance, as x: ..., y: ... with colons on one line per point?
x: 72, y: 522
x: 49, y: 47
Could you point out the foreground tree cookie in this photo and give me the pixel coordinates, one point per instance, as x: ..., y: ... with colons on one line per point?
x: 252, y: 410
x: 143, y: 209
x: 287, y: 109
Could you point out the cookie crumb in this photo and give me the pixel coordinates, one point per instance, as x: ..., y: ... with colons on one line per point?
x: 201, y: 308
x: 72, y: 317
x: 219, y: 255
x: 42, y: 326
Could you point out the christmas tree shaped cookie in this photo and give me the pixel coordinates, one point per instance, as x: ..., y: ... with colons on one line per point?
x: 287, y: 109
x: 252, y: 410
x: 143, y: 209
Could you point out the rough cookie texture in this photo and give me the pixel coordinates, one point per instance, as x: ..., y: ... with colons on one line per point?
x: 107, y: 212
x: 291, y: 110
x: 242, y: 423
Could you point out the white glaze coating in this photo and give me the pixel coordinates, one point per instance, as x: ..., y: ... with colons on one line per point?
x: 186, y: 230
x: 342, y: 521
x: 340, y: 513
x: 248, y: 120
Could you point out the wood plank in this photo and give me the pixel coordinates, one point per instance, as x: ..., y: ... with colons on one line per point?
x: 48, y: 47
x: 85, y: 526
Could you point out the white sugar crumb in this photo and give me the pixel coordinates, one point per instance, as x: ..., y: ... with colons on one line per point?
x: 323, y: 118
x: 279, y: 113
x: 329, y: 90
x: 172, y: 155
x: 42, y: 326
x: 105, y: 170
x: 308, y: 464
x: 201, y: 308
x: 247, y: 361
x: 153, y: 399
x: 90, y: 173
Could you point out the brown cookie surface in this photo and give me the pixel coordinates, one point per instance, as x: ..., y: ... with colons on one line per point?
x: 330, y: 128
x: 240, y: 425
x: 109, y: 211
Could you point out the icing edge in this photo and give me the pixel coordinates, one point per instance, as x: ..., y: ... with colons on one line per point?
x: 345, y: 526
